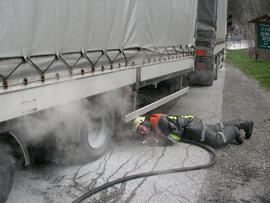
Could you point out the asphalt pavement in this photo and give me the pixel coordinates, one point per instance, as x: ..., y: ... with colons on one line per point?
x: 63, y: 184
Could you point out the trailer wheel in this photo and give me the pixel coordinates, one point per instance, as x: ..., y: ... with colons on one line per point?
x: 210, y: 80
x: 222, y: 60
x: 95, y: 131
x: 6, y: 173
x: 216, y: 71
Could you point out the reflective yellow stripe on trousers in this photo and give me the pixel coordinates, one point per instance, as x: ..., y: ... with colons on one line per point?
x: 187, y: 116
x: 173, y: 136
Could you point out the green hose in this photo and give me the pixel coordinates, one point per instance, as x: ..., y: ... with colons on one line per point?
x: 154, y: 173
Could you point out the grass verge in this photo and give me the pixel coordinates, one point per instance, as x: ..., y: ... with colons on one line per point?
x: 259, y: 70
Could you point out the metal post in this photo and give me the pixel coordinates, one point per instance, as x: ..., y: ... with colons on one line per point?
x: 135, y: 95
x: 181, y: 82
x: 137, y: 87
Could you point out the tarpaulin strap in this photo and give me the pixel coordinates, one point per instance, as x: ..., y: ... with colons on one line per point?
x: 65, y: 62
x: 22, y: 62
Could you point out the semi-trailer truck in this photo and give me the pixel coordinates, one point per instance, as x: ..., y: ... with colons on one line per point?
x: 57, y: 52
x: 210, y: 41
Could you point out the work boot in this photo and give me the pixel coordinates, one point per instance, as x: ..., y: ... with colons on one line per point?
x: 247, y: 126
x: 232, y: 133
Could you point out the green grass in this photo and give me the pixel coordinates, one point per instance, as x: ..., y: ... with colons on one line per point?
x: 260, y: 70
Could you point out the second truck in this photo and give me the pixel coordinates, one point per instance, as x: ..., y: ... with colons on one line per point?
x: 58, y: 52
x: 210, y: 41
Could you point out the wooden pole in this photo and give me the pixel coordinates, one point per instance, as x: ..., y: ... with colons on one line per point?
x: 256, y: 42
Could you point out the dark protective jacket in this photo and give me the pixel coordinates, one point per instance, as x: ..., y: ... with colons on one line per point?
x: 170, y: 129
x: 173, y: 128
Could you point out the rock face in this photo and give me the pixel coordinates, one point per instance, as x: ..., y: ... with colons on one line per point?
x: 243, y: 11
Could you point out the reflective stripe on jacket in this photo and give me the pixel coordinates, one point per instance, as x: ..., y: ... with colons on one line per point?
x: 166, y: 127
x: 172, y: 128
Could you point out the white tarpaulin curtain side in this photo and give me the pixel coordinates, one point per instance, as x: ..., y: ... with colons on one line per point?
x: 38, y: 27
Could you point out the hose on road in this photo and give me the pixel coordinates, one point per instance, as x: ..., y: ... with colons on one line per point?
x: 212, y: 161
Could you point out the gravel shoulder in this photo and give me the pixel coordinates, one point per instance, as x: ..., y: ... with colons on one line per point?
x: 242, y: 173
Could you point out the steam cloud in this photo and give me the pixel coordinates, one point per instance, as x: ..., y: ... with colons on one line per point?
x: 56, y: 128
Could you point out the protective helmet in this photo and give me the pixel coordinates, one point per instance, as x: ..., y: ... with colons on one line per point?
x: 136, y: 122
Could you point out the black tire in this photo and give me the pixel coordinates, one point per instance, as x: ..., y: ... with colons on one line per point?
x: 209, y: 81
x: 216, y: 66
x: 216, y: 72
x: 222, y: 65
x: 6, y: 173
x: 222, y: 60
x: 93, y: 132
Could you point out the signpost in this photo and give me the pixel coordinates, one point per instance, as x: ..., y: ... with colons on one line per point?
x: 264, y: 35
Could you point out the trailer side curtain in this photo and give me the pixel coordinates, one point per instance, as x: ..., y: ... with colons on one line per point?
x: 38, y: 27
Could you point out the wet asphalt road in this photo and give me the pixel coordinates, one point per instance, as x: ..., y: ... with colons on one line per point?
x: 64, y: 184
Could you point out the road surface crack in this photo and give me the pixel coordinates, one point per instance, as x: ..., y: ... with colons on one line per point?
x: 132, y: 195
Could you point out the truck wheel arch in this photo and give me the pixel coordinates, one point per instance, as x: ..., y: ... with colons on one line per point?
x: 14, y: 137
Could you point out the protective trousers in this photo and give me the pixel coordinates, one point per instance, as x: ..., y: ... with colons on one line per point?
x: 221, y: 133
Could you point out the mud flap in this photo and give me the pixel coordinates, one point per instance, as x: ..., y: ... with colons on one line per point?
x: 204, y: 72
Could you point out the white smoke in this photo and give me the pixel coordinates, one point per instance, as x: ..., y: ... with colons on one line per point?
x: 60, y: 126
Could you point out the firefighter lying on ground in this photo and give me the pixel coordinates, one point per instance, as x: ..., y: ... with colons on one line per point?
x: 162, y: 129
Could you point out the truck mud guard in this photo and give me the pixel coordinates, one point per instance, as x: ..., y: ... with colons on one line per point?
x: 20, y: 142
